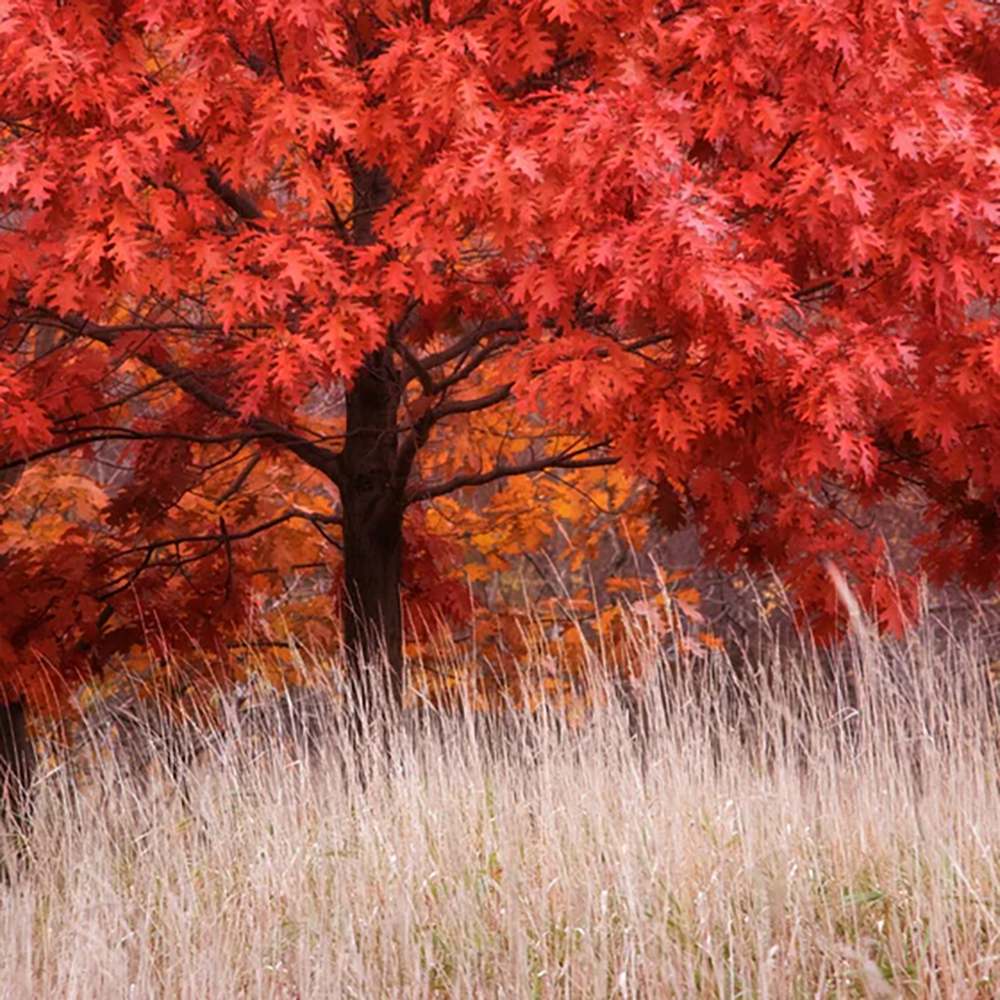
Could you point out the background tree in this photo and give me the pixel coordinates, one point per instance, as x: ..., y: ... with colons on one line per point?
x: 746, y: 249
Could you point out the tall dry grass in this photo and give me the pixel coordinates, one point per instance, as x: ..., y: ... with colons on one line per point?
x: 805, y: 826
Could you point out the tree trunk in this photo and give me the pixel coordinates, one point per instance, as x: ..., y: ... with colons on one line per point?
x: 371, y: 496
x: 372, y: 505
x: 17, y: 763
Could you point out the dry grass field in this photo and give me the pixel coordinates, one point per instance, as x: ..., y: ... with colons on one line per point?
x: 746, y: 834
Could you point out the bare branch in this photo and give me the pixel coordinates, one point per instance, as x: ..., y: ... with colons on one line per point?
x: 326, y: 461
x: 785, y: 149
x: 239, y: 482
x: 417, y: 367
x: 274, y: 52
x: 215, y: 543
x: 126, y: 435
x: 509, y: 324
x: 179, y: 327
x: 468, y: 366
x: 471, y: 405
x: 564, y: 460
x: 240, y: 202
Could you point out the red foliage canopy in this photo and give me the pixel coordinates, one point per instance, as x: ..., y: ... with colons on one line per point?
x: 749, y: 248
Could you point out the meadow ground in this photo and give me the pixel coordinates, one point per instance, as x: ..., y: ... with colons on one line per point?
x: 744, y: 834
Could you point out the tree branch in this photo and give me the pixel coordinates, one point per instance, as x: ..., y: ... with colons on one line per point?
x: 785, y: 149
x: 181, y: 327
x: 509, y: 324
x: 239, y: 482
x: 126, y: 435
x: 417, y: 367
x: 216, y: 542
x: 564, y: 460
x: 326, y: 461
x: 468, y: 366
x: 240, y: 202
x: 471, y: 405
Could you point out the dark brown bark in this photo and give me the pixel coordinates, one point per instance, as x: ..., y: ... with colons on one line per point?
x: 372, y: 500
x: 17, y: 763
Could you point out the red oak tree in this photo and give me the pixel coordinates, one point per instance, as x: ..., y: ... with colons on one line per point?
x: 746, y: 249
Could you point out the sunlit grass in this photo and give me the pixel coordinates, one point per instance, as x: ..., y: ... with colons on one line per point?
x: 731, y: 831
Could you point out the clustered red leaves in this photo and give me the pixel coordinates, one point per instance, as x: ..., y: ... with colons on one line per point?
x: 752, y: 246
